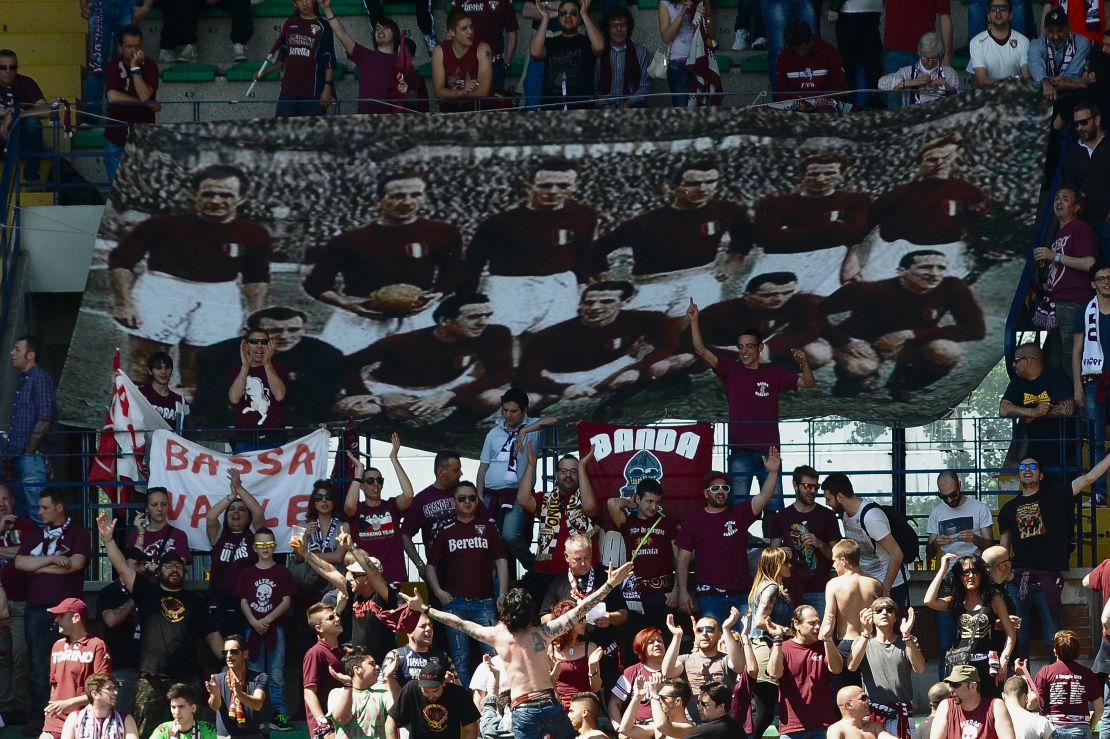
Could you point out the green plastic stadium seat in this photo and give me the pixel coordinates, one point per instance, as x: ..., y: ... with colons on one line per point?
x: 244, y: 71
x: 190, y: 73
x: 425, y: 70
x: 392, y: 9
x: 88, y: 139
x: 724, y: 63
x: 960, y: 61
x: 757, y: 63
x: 516, y: 67
x: 647, y: 4
x: 340, y: 72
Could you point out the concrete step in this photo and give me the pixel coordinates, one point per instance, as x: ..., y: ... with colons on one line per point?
x: 45, y: 47
x: 42, y: 16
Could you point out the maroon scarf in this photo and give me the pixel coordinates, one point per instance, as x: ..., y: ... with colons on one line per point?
x: 631, y: 71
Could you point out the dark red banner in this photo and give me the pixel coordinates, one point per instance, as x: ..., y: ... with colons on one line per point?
x: 677, y: 456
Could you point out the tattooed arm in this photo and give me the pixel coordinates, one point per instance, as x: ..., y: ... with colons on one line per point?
x: 557, y: 626
x: 484, y: 634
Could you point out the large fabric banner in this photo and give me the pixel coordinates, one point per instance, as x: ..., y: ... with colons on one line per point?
x: 675, y: 456
x: 410, y: 269
x: 197, y: 479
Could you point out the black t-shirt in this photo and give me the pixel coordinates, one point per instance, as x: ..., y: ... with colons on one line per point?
x: 122, y: 639
x: 410, y: 663
x: 1039, y: 528
x: 1054, y: 386
x: 439, y: 719
x: 569, y: 59
x: 367, y: 630
x: 252, y: 720
x: 721, y: 728
x: 172, y: 621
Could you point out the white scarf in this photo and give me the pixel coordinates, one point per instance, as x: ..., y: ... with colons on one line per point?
x: 1092, y: 347
x: 51, y: 537
x: 89, y: 726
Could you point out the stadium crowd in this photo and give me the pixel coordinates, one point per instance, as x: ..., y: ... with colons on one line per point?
x: 517, y: 627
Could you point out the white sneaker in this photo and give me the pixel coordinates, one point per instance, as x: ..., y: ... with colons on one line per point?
x: 239, y: 52
x: 188, y: 53
x: 165, y: 56
x: 760, y: 44
x: 740, y: 43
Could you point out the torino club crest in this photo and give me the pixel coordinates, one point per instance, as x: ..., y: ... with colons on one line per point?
x: 643, y: 464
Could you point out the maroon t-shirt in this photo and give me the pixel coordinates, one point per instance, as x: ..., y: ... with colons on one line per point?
x: 13, y: 580
x: 1065, y: 689
x: 422, y: 253
x: 1099, y: 581
x: 264, y: 588
x: 789, y: 224
x: 24, y: 91
x: 653, y: 235
x: 71, y: 663
x: 307, y: 46
x: 653, y: 566
x: 526, y: 241
x: 431, y: 511
x: 377, y: 532
x: 719, y: 542
x: 804, y: 688
x: 1076, y: 239
x: 165, y: 540
x: 377, y: 75
x: 166, y: 405
x: 117, y: 78
x: 492, y: 18
x: 314, y: 670
x: 794, y: 325
x: 929, y: 211
x: 906, y: 21
x: 191, y: 248
x: 753, y: 402
x: 464, y: 556
x: 232, y: 553
x: 819, y: 70
x: 50, y: 590
x: 258, y: 409
x: 809, y: 570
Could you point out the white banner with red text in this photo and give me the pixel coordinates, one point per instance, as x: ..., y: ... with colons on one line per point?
x: 280, y: 479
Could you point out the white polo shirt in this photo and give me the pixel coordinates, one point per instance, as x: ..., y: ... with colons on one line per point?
x: 1000, y: 60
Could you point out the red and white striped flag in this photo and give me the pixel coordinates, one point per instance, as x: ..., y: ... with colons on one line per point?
x: 124, y: 440
x: 701, y: 62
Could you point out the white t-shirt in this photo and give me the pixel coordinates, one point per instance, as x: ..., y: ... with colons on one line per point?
x: 1029, y: 725
x: 1000, y: 60
x: 873, y: 559
x: 482, y: 679
x: 947, y: 521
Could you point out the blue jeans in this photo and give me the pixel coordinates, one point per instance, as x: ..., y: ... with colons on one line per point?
x: 817, y: 600
x: 718, y: 606
x: 742, y: 467
x: 1104, y: 726
x: 31, y: 472
x: 1050, y: 624
x: 1095, y: 413
x: 1071, y: 731
x: 41, y: 633
x: 515, y: 534
x: 678, y: 83
x: 815, y: 734
x: 776, y: 14
x: 271, y: 662
x: 107, y: 18
x: 294, y: 107
x: 482, y: 612
x: 31, y: 147
x: 112, y: 154
x: 892, y: 62
x: 536, y: 719
x: 946, y: 637
x: 977, y: 18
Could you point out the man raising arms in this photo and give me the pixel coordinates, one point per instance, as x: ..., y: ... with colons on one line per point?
x: 522, y: 648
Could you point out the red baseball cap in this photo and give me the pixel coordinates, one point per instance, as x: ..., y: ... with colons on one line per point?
x: 71, y: 605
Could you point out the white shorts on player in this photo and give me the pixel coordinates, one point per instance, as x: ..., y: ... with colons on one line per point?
x: 531, y: 303
x: 670, y: 292
x: 596, y: 377
x: 884, y: 256
x: 350, y: 333
x: 172, y: 310
x: 818, y: 272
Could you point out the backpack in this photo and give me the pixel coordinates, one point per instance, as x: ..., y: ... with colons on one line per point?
x: 900, y: 527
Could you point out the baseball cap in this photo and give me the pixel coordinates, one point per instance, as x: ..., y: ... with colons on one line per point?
x: 355, y: 569
x: 171, y: 557
x: 433, y: 674
x: 714, y: 475
x: 963, y: 674
x: 1056, y: 18
x: 71, y: 605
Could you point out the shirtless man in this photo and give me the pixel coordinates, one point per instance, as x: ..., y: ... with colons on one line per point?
x: 522, y: 648
x: 846, y: 596
x: 853, y: 724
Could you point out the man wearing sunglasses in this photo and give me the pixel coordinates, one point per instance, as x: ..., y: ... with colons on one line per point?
x: 19, y: 89
x: 1040, y: 398
x: 171, y: 618
x: 714, y: 705
x: 237, y: 693
x: 886, y: 655
x: 266, y: 591
x: 1035, y: 528
x: 461, y: 565
x: 810, y: 530
x: 1088, y: 168
x: 957, y: 525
